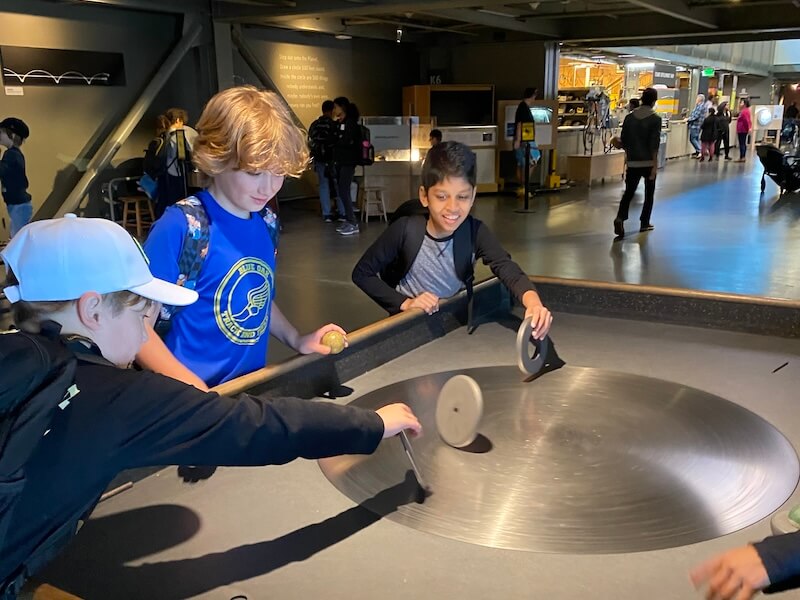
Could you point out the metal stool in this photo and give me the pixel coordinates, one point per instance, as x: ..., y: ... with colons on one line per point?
x: 137, y: 213
x: 373, y: 196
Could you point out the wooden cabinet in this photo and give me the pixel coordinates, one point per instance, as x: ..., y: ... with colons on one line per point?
x: 572, y: 107
x: 451, y: 104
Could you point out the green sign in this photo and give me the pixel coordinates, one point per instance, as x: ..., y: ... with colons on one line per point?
x: 708, y: 72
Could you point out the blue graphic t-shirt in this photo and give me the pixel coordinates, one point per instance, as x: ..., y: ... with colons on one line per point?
x: 225, y: 333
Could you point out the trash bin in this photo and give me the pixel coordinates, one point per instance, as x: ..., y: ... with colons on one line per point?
x: 662, y: 150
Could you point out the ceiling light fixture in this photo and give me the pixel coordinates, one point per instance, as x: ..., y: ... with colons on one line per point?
x: 399, y: 34
x: 496, y: 13
x: 343, y: 36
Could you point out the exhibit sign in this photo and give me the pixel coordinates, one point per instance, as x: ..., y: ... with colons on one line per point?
x: 53, y: 67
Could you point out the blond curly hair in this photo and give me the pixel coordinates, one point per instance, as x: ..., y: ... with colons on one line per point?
x: 251, y: 130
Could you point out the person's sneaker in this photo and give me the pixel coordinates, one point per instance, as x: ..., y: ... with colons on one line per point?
x: 328, y: 219
x: 349, y: 229
x: 728, y: 158
x: 619, y: 230
x: 341, y: 219
x: 645, y: 228
x: 342, y: 226
x: 702, y: 159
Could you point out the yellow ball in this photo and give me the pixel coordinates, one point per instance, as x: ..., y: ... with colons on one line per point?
x: 333, y: 340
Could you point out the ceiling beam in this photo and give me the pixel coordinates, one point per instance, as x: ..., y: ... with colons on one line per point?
x: 689, y: 60
x: 536, y: 26
x: 230, y: 11
x: 744, y: 25
x: 677, y: 9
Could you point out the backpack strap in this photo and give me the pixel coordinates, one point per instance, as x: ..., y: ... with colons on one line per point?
x: 192, y: 256
x: 270, y: 218
x: 463, y: 251
x: 196, y: 241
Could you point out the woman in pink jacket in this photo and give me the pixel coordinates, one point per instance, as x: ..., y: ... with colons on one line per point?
x: 743, y: 126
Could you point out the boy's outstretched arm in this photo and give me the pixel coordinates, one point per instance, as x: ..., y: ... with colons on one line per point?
x: 155, y: 356
x: 488, y: 248
x: 162, y: 421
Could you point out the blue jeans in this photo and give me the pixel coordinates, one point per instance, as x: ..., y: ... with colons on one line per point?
x: 694, y: 139
x: 20, y: 216
x: 323, y: 174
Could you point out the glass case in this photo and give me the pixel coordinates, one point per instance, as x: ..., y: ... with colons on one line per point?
x: 400, y: 145
x: 399, y: 138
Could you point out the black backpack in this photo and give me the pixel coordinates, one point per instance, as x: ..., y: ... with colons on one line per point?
x: 365, y: 154
x: 43, y: 380
x: 155, y: 156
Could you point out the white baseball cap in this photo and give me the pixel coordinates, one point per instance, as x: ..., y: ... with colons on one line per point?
x: 61, y: 259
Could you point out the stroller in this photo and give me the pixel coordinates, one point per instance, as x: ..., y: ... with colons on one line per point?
x: 783, y: 169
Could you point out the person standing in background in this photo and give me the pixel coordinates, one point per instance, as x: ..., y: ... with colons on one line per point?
x: 345, y: 157
x: 523, y: 115
x: 743, y: 127
x: 695, y: 122
x: 321, y: 138
x: 708, y: 135
x: 179, y: 138
x: 13, y: 180
x: 724, y: 135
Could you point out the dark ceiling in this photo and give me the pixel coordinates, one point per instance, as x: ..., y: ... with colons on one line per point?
x: 578, y: 21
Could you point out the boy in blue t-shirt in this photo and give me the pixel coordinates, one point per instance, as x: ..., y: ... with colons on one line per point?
x: 247, y: 145
x: 14, y: 182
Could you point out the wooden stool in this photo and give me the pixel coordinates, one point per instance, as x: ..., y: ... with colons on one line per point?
x: 373, y: 196
x: 137, y: 213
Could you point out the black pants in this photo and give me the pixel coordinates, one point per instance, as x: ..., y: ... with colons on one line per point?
x: 632, y: 177
x: 742, y: 144
x: 724, y: 140
x: 344, y: 177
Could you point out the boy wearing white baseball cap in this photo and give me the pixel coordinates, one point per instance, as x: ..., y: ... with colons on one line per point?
x: 84, y: 284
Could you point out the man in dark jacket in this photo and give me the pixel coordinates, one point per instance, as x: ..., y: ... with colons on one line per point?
x: 640, y: 138
x: 321, y: 139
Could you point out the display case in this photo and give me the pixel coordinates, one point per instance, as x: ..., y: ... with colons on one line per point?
x: 400, y: 145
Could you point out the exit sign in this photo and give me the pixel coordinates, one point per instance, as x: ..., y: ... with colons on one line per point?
x: 708, y: 72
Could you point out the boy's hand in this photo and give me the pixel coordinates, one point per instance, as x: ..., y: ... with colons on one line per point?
x: 425, y: 301
x: 396, y: 418
x: 736, y: 575
x: 312, y: 343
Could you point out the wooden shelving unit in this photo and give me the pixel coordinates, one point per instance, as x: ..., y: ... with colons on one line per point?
x: 573, y: 98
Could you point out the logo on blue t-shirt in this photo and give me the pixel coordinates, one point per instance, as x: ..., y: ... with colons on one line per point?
x: 244, y: 317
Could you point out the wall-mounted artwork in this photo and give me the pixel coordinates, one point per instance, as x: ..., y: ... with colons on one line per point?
x: 47, y: 66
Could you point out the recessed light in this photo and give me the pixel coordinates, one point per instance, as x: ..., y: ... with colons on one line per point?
x: 343, y: 36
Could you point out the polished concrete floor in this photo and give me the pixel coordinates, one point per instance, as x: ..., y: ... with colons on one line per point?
x: 714, y: 231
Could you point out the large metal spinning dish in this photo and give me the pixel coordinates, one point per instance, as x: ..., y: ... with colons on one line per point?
x: 581, y: 461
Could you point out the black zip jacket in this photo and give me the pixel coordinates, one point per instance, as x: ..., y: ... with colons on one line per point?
x: 390, y: 257
x: 123, y: 419
x: 781, y: 557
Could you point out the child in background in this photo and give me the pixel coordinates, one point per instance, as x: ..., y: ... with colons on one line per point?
x: 403, y: 276
x: 94, y: 302
x: 14, y: 182
x: 247, y: 144
x: 709, y: 131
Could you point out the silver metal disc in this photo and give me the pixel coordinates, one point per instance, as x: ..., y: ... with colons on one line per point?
x: 459, y: 410
x: 582, y: 461
x: 530, y: 363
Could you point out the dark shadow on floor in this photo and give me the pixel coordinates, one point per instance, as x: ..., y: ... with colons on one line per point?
x: 95, y: 565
